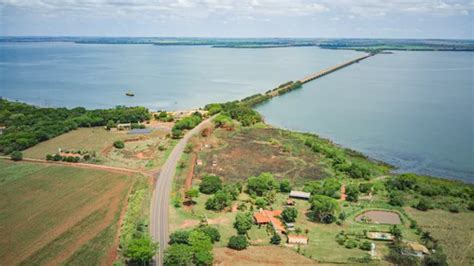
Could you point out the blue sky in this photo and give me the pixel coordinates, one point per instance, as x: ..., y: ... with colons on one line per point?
x: 240, y: 18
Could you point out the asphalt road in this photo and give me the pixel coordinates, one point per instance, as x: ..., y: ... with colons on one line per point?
x: 161, y: 194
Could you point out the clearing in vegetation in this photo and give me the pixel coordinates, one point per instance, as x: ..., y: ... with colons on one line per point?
x: 141, y: 151
x: 454, y: 231
x: 261, y: 255
x: 379, y: 217
x: 55, y: 214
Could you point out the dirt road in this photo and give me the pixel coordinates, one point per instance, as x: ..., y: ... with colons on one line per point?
x: 161, y: 193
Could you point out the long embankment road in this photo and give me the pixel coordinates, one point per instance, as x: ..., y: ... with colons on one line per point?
x: 332, y: 69
x: 161, y: 194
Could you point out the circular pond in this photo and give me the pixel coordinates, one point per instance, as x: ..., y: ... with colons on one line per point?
x: 379, y: 217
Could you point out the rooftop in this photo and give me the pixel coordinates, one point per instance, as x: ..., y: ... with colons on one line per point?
x: 300, y: 194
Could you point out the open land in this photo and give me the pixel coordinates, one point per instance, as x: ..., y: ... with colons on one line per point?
x: 455, y: 232
x: 56, y: 214
x: 141, y: 152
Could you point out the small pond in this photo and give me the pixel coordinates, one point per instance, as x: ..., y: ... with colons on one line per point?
x: 379, y: 217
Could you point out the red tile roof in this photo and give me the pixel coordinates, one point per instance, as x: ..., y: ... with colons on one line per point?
x: 266, y: 216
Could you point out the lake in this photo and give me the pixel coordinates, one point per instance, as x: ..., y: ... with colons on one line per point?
x: 411, y: 109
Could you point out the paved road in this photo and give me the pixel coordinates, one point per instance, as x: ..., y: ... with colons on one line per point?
x: 161, y: 194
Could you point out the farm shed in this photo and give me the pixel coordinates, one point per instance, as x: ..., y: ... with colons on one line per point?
x: 300, y: 194
x: 297, y: 239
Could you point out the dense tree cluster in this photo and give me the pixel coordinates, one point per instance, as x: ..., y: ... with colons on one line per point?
x: 431, y: 192
x: 192, y: 247
x: 27, y: 125
x: 330, y: 187
x: 235, y: 110
x: 188, y: 122
x: 323, y: 208
x: 258, y: 185
x: 210, y: 184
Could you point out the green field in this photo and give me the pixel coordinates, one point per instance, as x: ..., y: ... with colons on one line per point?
x: 57, y: 214
x: 140, y: 152
x: 454, y: 231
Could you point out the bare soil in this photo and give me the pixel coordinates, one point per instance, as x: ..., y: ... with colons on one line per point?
x: 255, y: 255
x: 380, y: 217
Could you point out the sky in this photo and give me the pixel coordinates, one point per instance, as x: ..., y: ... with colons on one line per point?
x: 448, y: 19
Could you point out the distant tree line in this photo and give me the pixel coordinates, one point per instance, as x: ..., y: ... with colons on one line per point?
x: 27, y: 125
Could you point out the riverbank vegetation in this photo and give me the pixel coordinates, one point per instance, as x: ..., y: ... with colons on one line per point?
x: 27, y: 125
x: 263, y: 164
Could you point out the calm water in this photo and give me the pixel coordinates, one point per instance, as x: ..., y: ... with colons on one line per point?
x: 411, y: 109
x: 98, y: 76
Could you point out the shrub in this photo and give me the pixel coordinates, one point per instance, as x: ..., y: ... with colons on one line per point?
x: 212, y: 232
x: 210, y: 184
x: 141, y: 249
x: 243, y: 222
x: 454, y: 208
x: 358, y: 171
x: 179, y: 237
x: 261, y: 184
x: 49, y: 157
x: 238, y: 242
x: 289, y: 215
x: 178, y: 254
x: 275, y: 240
x: 16, y: 156
x: 189, y: 148
x: 261, y: 202
x: 352, y: 192
x: 396, y: 199
x: 285, y: 186
x: 119, y: 144
x: 423, y: 205
x: 57, y: 158
x: 350, y: 244
x: 365, y: 187
x: 365, y: 245
x: 219, y: 201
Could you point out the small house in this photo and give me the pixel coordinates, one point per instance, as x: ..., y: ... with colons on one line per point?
x: 297, y: 239
x: 199, y: 162
x: 416, y: 250
x: 300, y: 195
x: 269, y: 217
x: 290, y: 226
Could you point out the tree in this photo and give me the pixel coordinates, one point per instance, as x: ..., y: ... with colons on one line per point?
x: 396, y: 198
x: 192, y: 193
x: 352, y: 193
x: 219, y: 201
x: 141, y: 249
x: 110, y: 124
x: 243, y: 222
x: 365, y: 245
x: 119, y: 144
x: 178, y: 254
x: 179, y: 237
x: 212, y: 232
x: 289, y: 215
x: 365, y: 187
x: 358, y: 171
x: 323, y: 208
x: 260, y: 184
x: 423, y: 204
x: 189, y: 148
x: 16, y: 156
x: 276, y: 239
x: 238, y: 242
x: 396, y: 231
x: 285, y: 186
x: 210, y: 184
x: 261, y: 202
x: 202, y: 246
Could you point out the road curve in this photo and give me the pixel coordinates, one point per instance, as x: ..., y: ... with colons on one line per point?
x: 161, y: 193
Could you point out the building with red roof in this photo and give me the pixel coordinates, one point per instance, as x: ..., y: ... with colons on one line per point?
x: 270, y: 217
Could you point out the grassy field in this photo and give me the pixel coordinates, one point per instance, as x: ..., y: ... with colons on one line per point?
x: 140, y: 152
x: 251, y: 151
x: 57, y: 214
x: 454, y: 231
